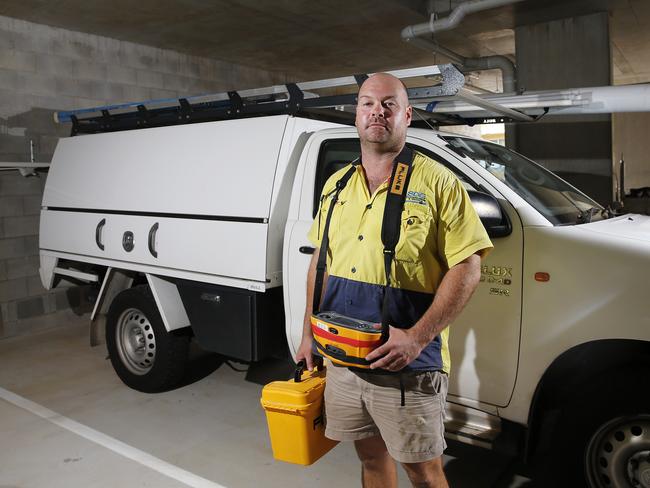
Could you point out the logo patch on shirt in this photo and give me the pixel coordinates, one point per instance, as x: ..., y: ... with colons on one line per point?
x: 416, y: 197
x: 399, y: 179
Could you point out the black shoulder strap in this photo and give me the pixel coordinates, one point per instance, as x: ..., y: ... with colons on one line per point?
x: 390, y: 226
x: 324, y: 243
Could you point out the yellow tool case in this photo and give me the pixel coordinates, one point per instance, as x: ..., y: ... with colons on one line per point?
x: 294, y: 413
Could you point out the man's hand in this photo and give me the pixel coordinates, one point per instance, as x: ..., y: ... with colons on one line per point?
x: 402, y: 347
x: 304, y: 351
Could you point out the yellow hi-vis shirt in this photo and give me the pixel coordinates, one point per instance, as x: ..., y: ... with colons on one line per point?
x: 439, y: 229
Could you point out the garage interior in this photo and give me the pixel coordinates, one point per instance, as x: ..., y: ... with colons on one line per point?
x: 65, y: 418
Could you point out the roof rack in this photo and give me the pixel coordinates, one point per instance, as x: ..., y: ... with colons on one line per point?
x: 317, y: 99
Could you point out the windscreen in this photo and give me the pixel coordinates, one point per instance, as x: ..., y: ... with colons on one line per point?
x: 549, y: 194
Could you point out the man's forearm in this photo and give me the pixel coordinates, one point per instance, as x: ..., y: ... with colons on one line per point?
x: 452, y: 295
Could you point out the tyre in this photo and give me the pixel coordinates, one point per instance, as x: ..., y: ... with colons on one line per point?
x: 603, y: 436
x: 618, y: 454
x: 144, y: 355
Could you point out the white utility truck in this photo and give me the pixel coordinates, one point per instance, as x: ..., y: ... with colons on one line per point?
x: 193, y: 221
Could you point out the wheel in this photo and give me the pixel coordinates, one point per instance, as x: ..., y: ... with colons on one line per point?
x: 618, y: 454
x: 144, y: 355
x: 602, y: 439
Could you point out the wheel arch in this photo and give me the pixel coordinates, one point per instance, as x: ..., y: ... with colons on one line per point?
x: 168, y: 300
x: 115, y: 281
x: 575, y: 372
x: 163, y: 289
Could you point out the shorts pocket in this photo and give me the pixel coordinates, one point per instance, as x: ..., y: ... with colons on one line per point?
x: 432, y: 382
x: 426, y: 383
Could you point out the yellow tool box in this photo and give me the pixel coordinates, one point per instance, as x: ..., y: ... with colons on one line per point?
x: 294, y: 413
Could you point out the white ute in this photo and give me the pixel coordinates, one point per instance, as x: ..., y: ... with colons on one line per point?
x: 200, y: 230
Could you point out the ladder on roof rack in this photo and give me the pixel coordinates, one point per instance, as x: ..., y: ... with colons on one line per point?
x: 443, y: 81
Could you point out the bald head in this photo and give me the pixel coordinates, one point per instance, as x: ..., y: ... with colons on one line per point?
x: 385, y: 80
x: 383, y: 113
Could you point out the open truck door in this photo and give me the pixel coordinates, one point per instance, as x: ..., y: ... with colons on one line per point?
x: 325, y: 153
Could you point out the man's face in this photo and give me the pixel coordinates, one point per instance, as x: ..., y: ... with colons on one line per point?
x: 383, y: 112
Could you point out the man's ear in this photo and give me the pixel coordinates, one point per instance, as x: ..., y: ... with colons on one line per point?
x: 409, y: 114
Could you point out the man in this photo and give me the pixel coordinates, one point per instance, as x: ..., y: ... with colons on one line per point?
x: 435, y: 270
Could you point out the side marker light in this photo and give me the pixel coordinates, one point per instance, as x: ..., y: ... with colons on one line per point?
x: 542, y: 277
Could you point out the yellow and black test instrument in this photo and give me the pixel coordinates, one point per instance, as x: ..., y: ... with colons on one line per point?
x: 344, y: 340
x: 347, y: 341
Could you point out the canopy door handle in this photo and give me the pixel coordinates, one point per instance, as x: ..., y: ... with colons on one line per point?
x: 152, y: 240
x: 98, y: 234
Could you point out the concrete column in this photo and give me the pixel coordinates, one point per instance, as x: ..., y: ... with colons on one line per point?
x: 631, y: 142
x: 566, y: 53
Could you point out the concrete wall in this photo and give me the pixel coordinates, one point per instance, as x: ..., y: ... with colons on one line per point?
x: 44, y: 69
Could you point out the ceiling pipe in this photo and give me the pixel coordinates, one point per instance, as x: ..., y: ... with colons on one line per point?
x: 430, y: 45
x: 454, y: 18
x: 413, y: 35
x: 507, y: 67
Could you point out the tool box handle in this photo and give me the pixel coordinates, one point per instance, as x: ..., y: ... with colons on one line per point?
x: 300, y: 368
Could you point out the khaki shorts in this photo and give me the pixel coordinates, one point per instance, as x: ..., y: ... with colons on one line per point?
x: 361, y: 405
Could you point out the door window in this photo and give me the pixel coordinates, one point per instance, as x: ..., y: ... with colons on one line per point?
x: 334, y: 155
x: 338, y: 153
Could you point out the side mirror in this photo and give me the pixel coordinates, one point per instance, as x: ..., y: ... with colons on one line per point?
x: 494, y: 220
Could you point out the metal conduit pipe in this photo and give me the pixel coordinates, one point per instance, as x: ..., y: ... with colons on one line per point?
x: 412, y: 34
x: 429, y: 45
x: 463, y: 9
x: 454, y: 18
x: 506, y: 66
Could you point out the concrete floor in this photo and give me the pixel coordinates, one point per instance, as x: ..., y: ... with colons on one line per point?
x: 66, y: 420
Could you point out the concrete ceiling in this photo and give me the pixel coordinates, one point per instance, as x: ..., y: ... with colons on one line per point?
x: 308, y: 39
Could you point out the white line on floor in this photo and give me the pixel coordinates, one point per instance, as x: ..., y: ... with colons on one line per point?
x: 108, y: 442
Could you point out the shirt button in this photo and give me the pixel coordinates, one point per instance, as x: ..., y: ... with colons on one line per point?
x: 349, y: 302
x: 361, y: 238
x: 354, y: 270
x: 369, y: 206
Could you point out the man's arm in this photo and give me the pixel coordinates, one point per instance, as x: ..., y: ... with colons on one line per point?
x: 304, y: 351
x: 455, y: 290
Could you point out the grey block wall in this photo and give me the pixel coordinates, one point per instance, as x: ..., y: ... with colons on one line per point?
x: 45, y: 69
